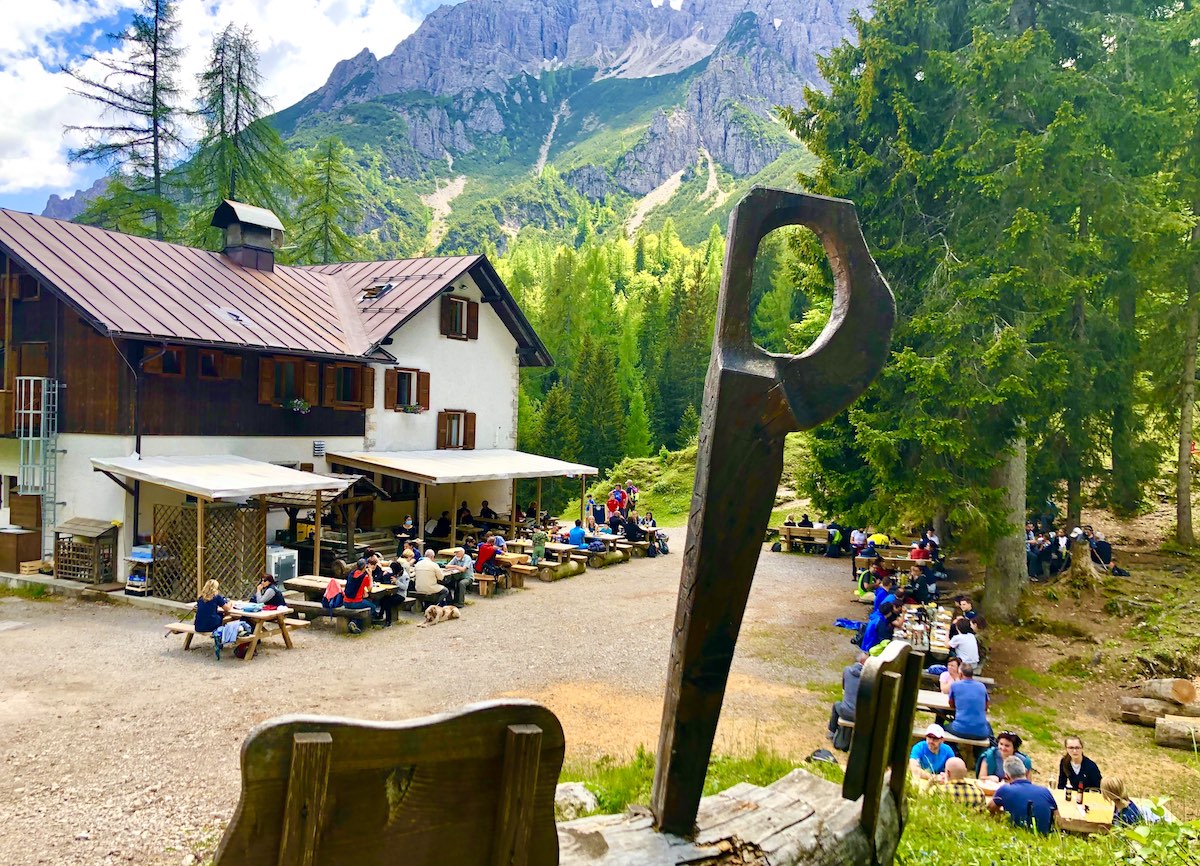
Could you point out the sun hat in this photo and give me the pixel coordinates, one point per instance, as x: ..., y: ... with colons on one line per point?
x: 936, y: 730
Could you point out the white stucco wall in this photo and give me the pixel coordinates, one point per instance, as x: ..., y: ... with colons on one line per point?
x: 479, y: 376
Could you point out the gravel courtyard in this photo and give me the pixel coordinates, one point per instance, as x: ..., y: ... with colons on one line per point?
x: 120, y: 747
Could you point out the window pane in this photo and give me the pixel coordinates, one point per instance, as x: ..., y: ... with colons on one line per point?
x: 347, y: 385
x: 172, y: 361
x: 404, y: 390
x: 458, y: 322
x: 455, y: 430
x: 285, y: 381
x: 208, y: 365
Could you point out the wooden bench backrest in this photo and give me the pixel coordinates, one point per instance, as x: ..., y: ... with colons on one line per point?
x: 886, y: 705
x: 471, y: 787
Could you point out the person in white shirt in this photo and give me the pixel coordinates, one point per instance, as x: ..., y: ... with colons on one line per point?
x: 428, y: 575
x: 964, y: 644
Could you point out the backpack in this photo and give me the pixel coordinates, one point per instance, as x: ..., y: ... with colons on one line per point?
x: 777, y: 547
x: 332, y: 599
x: 652, y: 550
x: 597, y: 547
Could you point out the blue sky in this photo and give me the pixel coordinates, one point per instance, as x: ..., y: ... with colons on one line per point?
x: 299, y: 42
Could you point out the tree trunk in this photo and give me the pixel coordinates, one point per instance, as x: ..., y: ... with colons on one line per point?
x: 1183, y: 469
x: 1008, y: 571
x: 1076, y: 413
x: 1177, y: 735
x: 1175, y: 690
x: 939, y: 524
x: 1147, y: 711
x: 1125, y: 489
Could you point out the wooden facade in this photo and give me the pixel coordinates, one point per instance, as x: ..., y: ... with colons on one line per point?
x: 187, y: 397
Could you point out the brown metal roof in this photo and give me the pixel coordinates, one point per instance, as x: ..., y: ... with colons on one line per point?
x: 141, y: 288
x: 416, y: 282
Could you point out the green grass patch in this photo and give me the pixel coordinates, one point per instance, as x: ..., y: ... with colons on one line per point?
x: 37, y: 592
x: 1071, y: 666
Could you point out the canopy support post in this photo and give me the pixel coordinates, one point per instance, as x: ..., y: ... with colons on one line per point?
x: 262, y: 509
x: 316, y: 567
x: 512, y: 513
x: 538, y: 506
x: 421, y: 505
x: 199, y: 547
x: 582, y: 498
x: 453, y: 515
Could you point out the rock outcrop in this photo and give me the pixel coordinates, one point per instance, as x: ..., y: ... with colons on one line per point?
x: 69, y: 208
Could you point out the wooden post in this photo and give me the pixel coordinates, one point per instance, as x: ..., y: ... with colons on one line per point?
x: 316, y: 566
x: 518, y: 781
x: 304, y: 808
x: 539, y: 499
x: 262, y: 510
x: 199, y: 546
x: 582, y: 498
x: 512, y: 513
x: 350, y: 512
x: 420, y: 514
x: 9, y: 367
x: 453, y: 515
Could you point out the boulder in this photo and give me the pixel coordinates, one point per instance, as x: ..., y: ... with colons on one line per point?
x: 573, y: 800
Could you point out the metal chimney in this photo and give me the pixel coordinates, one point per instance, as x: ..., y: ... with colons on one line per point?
x: 252, y: 234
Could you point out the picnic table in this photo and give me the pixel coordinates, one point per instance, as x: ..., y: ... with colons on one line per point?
x: 934, y: 702
x: 1093, y: 815
x: 312, y: 587
x: 562, y: 552
x: 267, y: 623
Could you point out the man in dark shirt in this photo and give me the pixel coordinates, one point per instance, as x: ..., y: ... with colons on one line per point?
x: 844, y: 709
x: 805, y: 521
x: 486, y: 511
x: 442, y: 529
x: 1028, y: 805
x: 633, y: 532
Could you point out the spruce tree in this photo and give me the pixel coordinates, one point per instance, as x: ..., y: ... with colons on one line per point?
x: 137, y: 89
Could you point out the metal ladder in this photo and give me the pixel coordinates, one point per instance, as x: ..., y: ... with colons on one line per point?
x: 37, y: 432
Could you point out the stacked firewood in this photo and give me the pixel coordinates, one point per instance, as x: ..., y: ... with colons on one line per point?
x: 1170, y: 707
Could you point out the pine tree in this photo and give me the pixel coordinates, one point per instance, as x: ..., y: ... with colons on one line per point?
x: 637, y: 427
x: 596, y: 397
x: 137, y: 88
x: 689, y: 427
x: 240, y: 156
x: 329, y: 203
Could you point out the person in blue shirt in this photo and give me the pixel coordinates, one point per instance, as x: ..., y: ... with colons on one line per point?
x: 886, y: 592
x: 928, y: 758
x: 575, y: 536
x: 1028, y: 805
x: 970, y: 702
x: 1125, y: 812
x: 876, y: 628
x: 211, y: 608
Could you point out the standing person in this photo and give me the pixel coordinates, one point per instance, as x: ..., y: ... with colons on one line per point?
x: 1028, y: 805
x: 428, y: 576
x: 539, y: 539
x: 845, y: 708
x: 858, y: 540
x: 631, y: 493
x: 970, y: 702
x: 1076, y: 770
x: 1125, y: 812
x: 458, y: 577
x: 612, y: 506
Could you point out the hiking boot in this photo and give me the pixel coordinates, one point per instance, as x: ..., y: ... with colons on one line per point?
x: 353, y: 627
x: 216, y: 645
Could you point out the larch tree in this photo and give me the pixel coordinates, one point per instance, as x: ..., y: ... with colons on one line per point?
x: 136, y: 86
x: 330, y: 203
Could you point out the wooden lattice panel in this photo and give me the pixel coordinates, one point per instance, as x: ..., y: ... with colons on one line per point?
x: 235, y: 551
x: 87, y: 560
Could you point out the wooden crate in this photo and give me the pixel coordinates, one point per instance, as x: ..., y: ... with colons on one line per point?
x: 31, y: 567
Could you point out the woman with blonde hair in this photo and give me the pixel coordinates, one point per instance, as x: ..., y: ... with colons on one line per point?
x: 1125, y: 811
x: 211, y: 608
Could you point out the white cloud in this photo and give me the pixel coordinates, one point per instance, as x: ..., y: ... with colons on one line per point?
x: 299, y: 41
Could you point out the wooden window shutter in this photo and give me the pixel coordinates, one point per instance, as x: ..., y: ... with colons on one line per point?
x: 443, y: 429
x: 312, y: 383
x: 391, y: 386
x: 447, y: 314
x: 423, y: 390
x: 472, y: 320
x: 231, y: 366
x: 468, y: 430
x: 266, y: 380
x: 154, y: 358
x: 330, y: 384
x: 368, y: 387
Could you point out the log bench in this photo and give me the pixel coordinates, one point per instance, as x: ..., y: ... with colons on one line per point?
x: 638, y: 548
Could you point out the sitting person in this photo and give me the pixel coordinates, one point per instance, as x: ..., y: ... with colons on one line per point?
x: 464, y: 515
x: 268, y: 593
x: 486, y: 512
x: 879, y: 539
x: 633, y: 532
x: 928, y: 758
x: 358, y: 585
x: 844, y: 709
x: 590, y: 525
x: 885, y: 593
x: 648, y: 521
x: 211, y: 608
x: 950, y: 675
x: 968, y: 612
x: 1028, y: 805
x: 576, y: 535
x: 920, y: 552
x: 531, y: 513
x: 1076, y: 770
x: 877, y: 629
x: 402, y: 570
x: 1125, y: 812
x: 921, y: 587
x: 441, y: 529
x: 791, y: 521
x: 959, y: 787
x: 616, y: 522
x: 484, y: 555
x: 805, y: 522
x: 963, y: 642
x: 458, y: 577
x: 428, y: 579
x: 991, y: 762
x: 970, y: 702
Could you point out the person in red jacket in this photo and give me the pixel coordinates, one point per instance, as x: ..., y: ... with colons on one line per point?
x: 486, y: 551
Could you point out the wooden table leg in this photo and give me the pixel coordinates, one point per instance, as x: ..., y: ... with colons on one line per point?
x: 255, y: 637
x: 187, y: 640
x: 284, y: 630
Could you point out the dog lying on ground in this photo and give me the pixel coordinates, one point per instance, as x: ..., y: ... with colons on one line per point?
x: 439, y: 613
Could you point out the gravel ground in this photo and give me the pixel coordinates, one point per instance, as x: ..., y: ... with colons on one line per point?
x: 120, y: 747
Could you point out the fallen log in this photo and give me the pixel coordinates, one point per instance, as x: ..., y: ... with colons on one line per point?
x: 1147, y: 711
x: 1176, y: 690
x: 1177, y: 734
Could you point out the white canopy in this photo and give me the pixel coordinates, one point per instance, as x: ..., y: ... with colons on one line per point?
x: 220, y: 476
x: 459, y: 467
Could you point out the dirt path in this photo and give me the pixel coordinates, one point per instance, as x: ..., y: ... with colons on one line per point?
x: 439, y: 202
x: 122, y: 748
x: 660, y: 195
x: 564, y: 110
x: 712, y: 189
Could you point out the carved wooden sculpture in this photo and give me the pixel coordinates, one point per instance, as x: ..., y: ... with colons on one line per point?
x: 752, y: 399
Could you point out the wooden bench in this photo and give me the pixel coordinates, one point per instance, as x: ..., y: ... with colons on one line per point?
x: 486, y: 584
x: 518, y: 573
x: 188, y: 629
x: 341, y: 616
x: 789, y: 536
x: 918, y: 734
x: 638, y: 548
x: 579, y: 557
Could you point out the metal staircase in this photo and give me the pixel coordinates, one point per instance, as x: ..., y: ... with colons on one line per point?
x: 36, y: 412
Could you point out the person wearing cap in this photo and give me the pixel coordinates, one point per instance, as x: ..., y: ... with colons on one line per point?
x: 959, y: 787
x: 991, y: 762
x: 458, y: 577
x: 928, y: 758
x: 1028, y: 805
